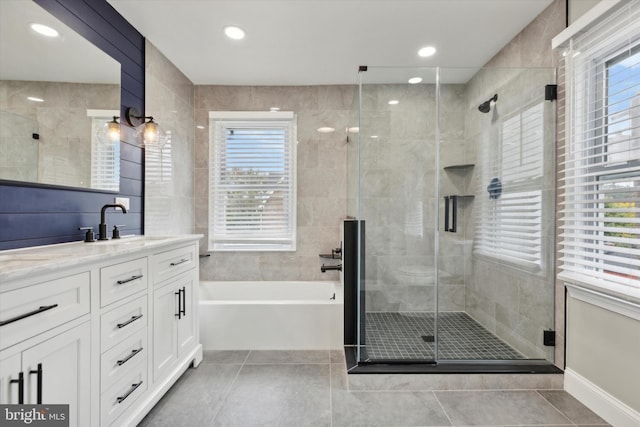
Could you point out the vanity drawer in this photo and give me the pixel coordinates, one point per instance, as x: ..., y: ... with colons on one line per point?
x: 124, y: 392
x: 122, y: 357
x: 171, y: 263
x: 121, y: 280
x: 28, y: 311
x: 122, y: 322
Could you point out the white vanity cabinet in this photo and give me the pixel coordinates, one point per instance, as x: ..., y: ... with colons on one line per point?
x: 52, y: 372
x: 104, y: 327
x: 174, y: 300
x: 174, y: 322
x: 45, y: 344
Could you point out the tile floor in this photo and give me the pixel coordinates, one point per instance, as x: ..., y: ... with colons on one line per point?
x: 309, y: 388
x: 391, y: 335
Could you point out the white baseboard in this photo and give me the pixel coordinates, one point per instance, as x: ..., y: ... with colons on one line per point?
x: 608, y: 407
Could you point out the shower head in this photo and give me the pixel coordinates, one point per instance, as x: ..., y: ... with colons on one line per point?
x: 485, y: 107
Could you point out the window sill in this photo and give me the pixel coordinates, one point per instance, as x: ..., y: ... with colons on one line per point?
x: 251, y: 248
x: 506, y: 261
x: 626, y: 304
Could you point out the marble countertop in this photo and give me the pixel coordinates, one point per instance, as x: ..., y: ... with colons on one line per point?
x: 17, y: 263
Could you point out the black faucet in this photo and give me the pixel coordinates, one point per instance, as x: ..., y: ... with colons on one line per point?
x: 103, y: 222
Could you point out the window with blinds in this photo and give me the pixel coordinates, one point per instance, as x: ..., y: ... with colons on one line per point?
x: 509, y: 227
x: 600, y: 212
x: 105, y: 152
x: 252, y: 203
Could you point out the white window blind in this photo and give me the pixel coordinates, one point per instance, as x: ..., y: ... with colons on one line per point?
x: 509, y: 226
x: 600, y: 192
x: 105, y: 152
x: 252, y: 181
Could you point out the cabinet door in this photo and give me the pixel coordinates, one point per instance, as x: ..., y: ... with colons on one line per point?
x: 64, y: 373
x: 165, y: 328
x: 186, y: 322
x: 10, y: 369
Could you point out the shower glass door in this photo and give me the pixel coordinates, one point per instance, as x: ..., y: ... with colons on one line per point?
x: 496, y: 234
x: 452, y: 178
x: 397, y: 201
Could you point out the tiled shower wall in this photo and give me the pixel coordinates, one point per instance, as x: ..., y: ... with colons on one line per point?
x: 62, y: 155
x: 169, y: 186
x: 514, y: 304
x: 398, y: 194
x: 321, y: 178
x: 511, y: 302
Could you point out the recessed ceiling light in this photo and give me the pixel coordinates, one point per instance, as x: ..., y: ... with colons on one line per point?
x: 415, y: 80
x: 326, y: 129
x: 44, y: 30
x: 34, y: 99
x: 200, y: 127
x: 394, y: 102
x: 274, y: 109
x: 374, y: 136
x: 235, y: 33
x: 354, y: 129
x: 427, y: 51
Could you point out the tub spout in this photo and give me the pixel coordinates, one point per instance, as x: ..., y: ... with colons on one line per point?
x: 326, y: 268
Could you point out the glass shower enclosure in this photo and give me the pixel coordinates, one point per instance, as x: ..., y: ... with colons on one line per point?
x: 452, y: 179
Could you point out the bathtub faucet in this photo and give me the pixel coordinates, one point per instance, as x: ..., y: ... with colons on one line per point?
x: 326, y: 268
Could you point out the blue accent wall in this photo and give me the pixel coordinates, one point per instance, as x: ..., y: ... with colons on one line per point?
x: 32, y: 215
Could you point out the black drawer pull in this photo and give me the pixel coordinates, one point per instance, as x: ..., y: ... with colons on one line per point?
x: 39, y: 392
x: 129, y: 356
x: 133, y: 388
x: 183, y: 310
x: 130, y: 279
x: 20, y: 382
x: 133, y: 319
x: 182, y: 261
x: 179, y: 313
x: 29, y: 314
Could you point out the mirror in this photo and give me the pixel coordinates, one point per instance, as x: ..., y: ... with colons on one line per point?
x: 57, y: 95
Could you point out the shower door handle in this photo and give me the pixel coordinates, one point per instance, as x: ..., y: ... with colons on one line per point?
x: 450, y: 212
x: 454, y: 213
x: 446, y: 213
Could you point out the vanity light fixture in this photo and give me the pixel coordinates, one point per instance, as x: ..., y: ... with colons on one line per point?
x: 110, y: 132
x: 152, y: 133
x: 113, y: 129
x: 427, y: 51
x: 234, y: 33
x: 34, y: 99
x: 44, y: 30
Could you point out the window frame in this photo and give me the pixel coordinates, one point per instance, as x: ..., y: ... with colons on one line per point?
x: 285, y: 120
x: 492, y: 250
x: 594, y: 110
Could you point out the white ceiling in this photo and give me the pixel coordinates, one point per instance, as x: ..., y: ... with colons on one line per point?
x: 310, y: 42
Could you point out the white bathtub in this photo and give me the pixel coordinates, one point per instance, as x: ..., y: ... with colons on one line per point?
x: 271, y: 315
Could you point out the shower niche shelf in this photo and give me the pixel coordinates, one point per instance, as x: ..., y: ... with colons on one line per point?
x: 462, y: 167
